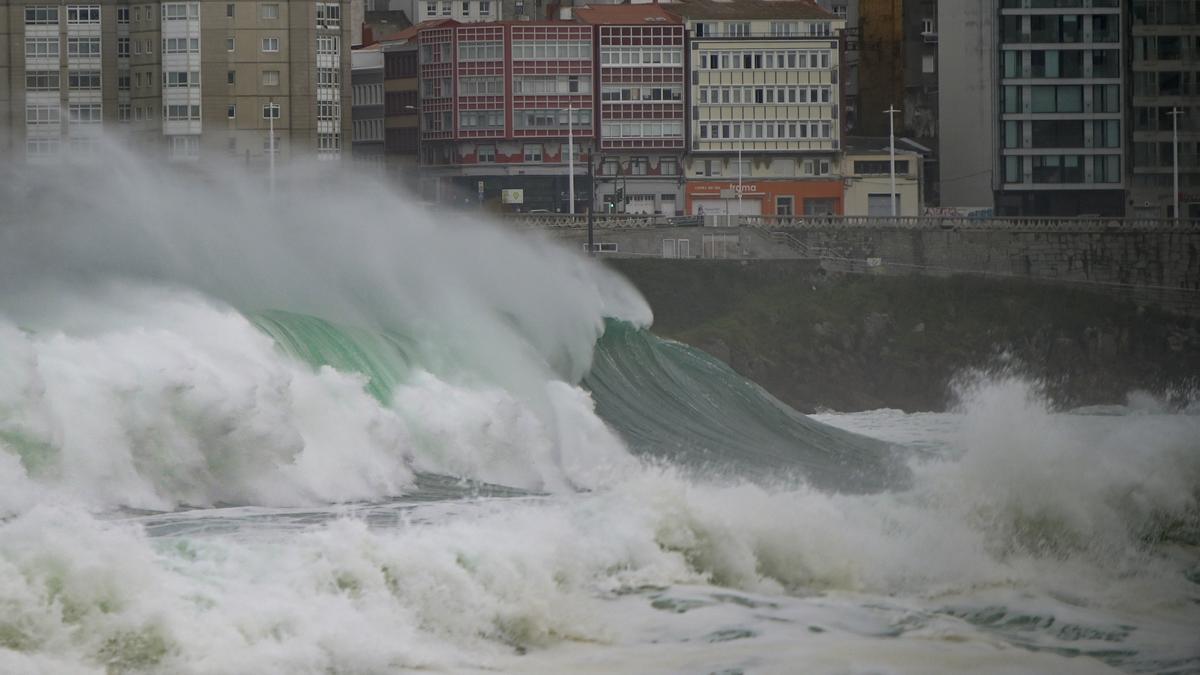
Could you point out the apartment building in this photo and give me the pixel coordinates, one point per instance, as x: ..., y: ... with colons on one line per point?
x: 1164, y: 76
x: 500, y: 102
x: 765, y: 101
x: 641, y: 76
x: 1061, y: 92
x: 472, y: 11
x: 401, y: 105
x: 187, y: 79
x: 367, y: 113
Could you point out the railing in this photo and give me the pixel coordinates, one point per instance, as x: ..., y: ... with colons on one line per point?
x: 640, y: 221
x: 968, y: 223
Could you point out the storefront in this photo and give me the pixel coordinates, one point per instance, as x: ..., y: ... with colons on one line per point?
x: 765, y: 197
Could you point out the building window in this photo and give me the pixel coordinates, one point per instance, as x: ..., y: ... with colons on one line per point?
x: 533, y: 152
x: 271, y: 111
x: 40, y: 16
x: 555, y: 50
x: 329, y: 15
x: 706, y: 29
x: 229, y: 10
x: 270, y: 44
x: 83, y: 79
x: 231, y: 111
x: 122, y: 47
x: 176, y: 113
x: 83, y: 14
x: 926, y: 26
x: 230, y: 77
x: 486, y: 154
x: 270, y: 11
x: 270, y: 78
x: 485, y: 7
x: 84, y: 113
x: 481, y: 51
x: 180, y: 11
x: 639, y: 166
x: 174, y: 79
x: 42, y: 115
x: 123, y: 18
x: 124, y: 112
x: 83, y: 47
x: 41, y: 47
x: 185, y: 147
x: 327, y: 44
x: 737, y: 29
x: 784, y: 206
x: 879, y: 168
x: 823, y: 206
x: 41, y: 80
x: 181, y: 45
x: 668, y: 166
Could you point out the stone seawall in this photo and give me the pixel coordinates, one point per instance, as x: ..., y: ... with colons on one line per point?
x: 1158, y: 266
x: 850, y: 342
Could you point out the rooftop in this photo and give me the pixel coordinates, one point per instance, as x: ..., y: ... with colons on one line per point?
x: 625, y: 14
x: 749, y: 9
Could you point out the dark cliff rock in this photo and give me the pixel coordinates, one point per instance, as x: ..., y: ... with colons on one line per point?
x: 861, y: 342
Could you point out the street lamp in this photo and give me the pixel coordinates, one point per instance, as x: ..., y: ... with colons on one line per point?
x: 1175, y: 113
x: 891, y: 113
x: 571, y: 159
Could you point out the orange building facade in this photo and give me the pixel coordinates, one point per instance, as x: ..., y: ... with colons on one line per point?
x: 765, y: 197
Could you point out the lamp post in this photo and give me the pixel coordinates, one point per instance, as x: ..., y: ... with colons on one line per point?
x: 271, y: 140
x: 739, y: 195
x: 891, y: 113
x: 1175, y: 113
x: 571, y: 160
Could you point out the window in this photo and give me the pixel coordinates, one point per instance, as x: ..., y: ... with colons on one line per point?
x: 83, y: 14
x: 83, y: 46
x: 181, y: 112
x: 270, y: 78
x: 38, y: 115
x: 122, y: 47
x: 486, y: 154
x: 737, y: 29
x: 558, y: 50
x: 185, y: 147
x: 123, y: 80
x: 231, y: 111
x: 41, y: 47
x: 639, y: 166
x: 784, y: 206
x: 229, y: 10
x: 180, y: 11
x: 83, y: 79
x: 270, y: 11
x: 181, y: 45
x: 41, y: 80
x: 481, y: 86
x: 231, y: 77
x: 270, y: 44
x: 879, y: 167
x: 481, y: 51
x: 329, y: 15
x: 610, y: 167
x: 137, y: 18
x: 926, y: 26
x: 327, y: 44
x: 124, y: 112
x: 42, y: 15
x: 446, y: 8
x: 485, y: 7
x: 668, y: 166
x: 123, y: 18
x: 533, y: 152
x: 229, y: 44
x: 271, y: 111
x: 173, y: 79
x: 84, y: 113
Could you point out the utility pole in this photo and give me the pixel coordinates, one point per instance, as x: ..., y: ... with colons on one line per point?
x: 571, y: 159
x: 271, y: 140
x: 740, y: 212
x: 592, y: 201
x: 891, y: 113
x: 1175, y: 113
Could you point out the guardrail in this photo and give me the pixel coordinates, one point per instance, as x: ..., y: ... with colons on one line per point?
x: 632, y: 221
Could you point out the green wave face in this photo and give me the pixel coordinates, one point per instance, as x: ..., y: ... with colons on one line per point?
x: 672, y: 401
x: 667, y: 400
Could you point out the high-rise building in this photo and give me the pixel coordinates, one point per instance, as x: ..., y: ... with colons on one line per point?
x: 1061, y: 78
x: 189, y: 79
x: 501, y: 103
x: 847, y: 10
x: 967, y: 66
x: 640, y: 76
x: 765, y: 123
x: 367, y: 113
x: 1165, y: 76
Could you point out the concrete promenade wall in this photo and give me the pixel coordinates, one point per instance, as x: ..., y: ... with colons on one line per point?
x: 1158, y: 260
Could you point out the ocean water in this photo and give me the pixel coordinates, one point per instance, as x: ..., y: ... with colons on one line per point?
x: 325, y: 432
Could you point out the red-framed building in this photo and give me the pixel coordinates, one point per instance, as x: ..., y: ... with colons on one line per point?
x: 499, y: 100
x: 641, y: 77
